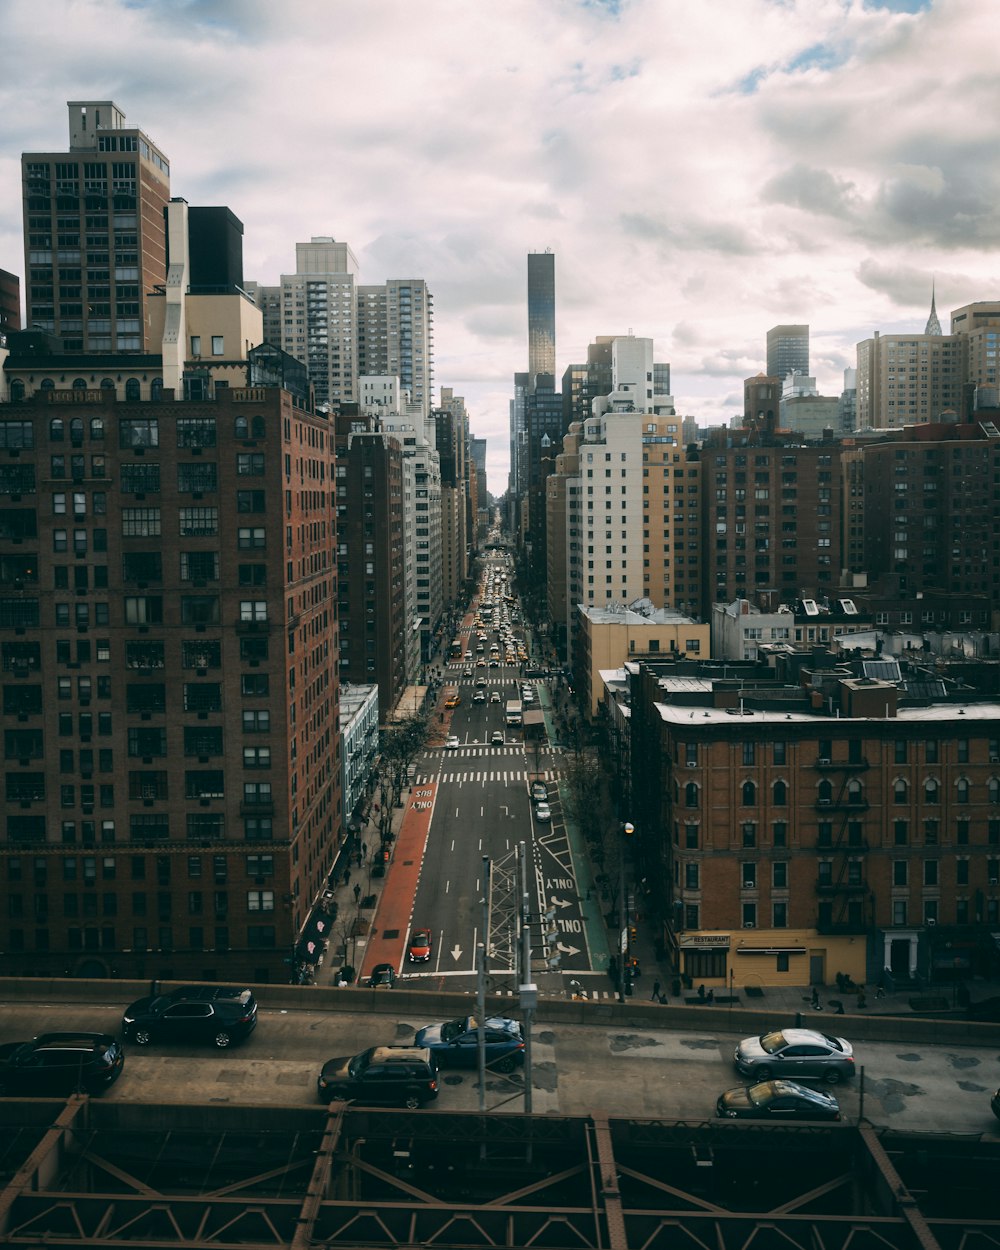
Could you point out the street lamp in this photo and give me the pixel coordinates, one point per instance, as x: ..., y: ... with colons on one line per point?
x: 625, y: 984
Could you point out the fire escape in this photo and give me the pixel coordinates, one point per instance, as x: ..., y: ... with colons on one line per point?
x: 845, y: 899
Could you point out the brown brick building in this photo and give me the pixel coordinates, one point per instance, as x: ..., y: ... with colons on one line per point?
x: 834, y: 823
x: 168, y: 640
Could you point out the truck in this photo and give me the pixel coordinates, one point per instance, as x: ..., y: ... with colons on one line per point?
x: 513, y: 715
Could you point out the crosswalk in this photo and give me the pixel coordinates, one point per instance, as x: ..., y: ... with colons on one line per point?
x: 507, y: 776
x: 475, y: 749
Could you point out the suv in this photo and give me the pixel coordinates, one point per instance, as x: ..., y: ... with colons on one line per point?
x: 397, y: 1076
x: 60, y: 1064
x: 221, y: 1014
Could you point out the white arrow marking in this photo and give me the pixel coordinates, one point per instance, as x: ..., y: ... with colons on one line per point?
x: 567, y: 950
x: 456, y: 952
x: 559, y: 902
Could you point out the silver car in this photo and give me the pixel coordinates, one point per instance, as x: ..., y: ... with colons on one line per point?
x: 795, y: 1053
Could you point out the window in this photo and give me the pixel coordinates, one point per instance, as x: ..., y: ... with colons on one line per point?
x: 218, y: 345
x: 198, y: 522
x: 205, y: 784
x: 932, y: 791
x: 691, y: 876
x: 250, y: 464
x: 200, y: 610
x: 749, y: 794
x: 691, y: 795
x: 250, y: 501
x: 138, y: 432
x: 195, y: 431
x: 749, y: 833
x: 256, y: 757
x: 256, y: 722
x: 780, y: 796
x: 251, y: 538
x: 138, y: 479
x: 143, y: 610
x: 900, y: 791
x: 140, y: 522
x: 199, y: 566
x: 748, y: 753
x: 260, y: 900
x: 779, y: 874
x: 199, y: 475
x: 748, y: 875
x: 779, y: 920
x: 253, y: 610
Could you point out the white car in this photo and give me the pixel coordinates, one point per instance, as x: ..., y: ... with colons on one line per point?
x: 543, y: 813
x: 452, y: 743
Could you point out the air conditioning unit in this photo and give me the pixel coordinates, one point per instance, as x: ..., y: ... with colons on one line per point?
x: 749, y: 925
x: 749, y: 885
x: 691, y: 764
x: 823, y: 761
x: 931, y: 922
x: 995, y: 759
x: 993, y: 881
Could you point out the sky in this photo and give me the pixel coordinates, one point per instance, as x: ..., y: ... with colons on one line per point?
x: 702, y: 169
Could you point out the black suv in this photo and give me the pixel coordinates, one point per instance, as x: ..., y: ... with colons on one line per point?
x: 60, y: 1064
x: 220, y: 1014
x: 398, y: 1076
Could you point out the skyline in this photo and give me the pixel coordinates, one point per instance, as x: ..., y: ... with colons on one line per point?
x: 701, y: 173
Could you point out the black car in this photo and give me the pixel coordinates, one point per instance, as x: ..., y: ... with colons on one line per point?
x: 396, y: 1076
x: 777, y: 1100
x: 455, y: 1043
x: 220, y: 1014
x: 383, y: 976
x: 986, y: 1009
x: 56, y: 1064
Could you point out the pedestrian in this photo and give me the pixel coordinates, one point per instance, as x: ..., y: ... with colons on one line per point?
x: 814, y: 1002
x: 701, y: 993
x: 347, y: 876
x: 862, y: 1001
x: 655, y: 996
x: 357, y: 892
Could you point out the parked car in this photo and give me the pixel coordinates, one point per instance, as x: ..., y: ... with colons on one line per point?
x: 777, y: 1100
x: 543, y: 813
x: 57, y: 1064
x: 455, y: 1043
x: 453, y: 700
x: 420, y: 946
x: 539, y: 792
x: 220, y: 1014
x: 383, y: 977
x: 796, y: 1053
x: 986, y: 1009
x: 396, y: 1076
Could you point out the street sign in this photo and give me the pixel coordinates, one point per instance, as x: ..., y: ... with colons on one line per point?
x: 624, y: 941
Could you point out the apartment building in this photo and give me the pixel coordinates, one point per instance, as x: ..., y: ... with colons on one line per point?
x: 94, y: 235
x: 833, y: 818
x: 172, y: 794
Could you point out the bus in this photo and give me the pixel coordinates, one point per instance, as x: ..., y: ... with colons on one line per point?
x: 456, y: 649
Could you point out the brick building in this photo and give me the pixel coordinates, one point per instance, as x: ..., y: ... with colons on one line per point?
x: 168, y: 640
x: 823, y: 820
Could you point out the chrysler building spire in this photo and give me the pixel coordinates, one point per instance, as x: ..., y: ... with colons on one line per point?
x: 933, y: 325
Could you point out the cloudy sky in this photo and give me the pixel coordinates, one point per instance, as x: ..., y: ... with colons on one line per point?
x: 702, y: 169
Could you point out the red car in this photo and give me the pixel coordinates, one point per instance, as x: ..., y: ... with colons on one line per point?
x: 420, y: 946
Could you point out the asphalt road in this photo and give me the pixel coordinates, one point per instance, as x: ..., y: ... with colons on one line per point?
x: 578, y: 1069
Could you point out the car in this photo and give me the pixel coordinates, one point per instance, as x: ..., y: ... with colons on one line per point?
x: 494, y: 661
x: 397, y: 1076
x: 468, y: 655
x: 455, y: 1044
x: 777, y: 1100
x: 451, y: 743
x: 796, y: 1053
x: 453, y: 700
x: 986, y: 1009
x: 480, y: 682
x: 480, y: 663
x: 496, y: 738
x: 420, y: 946
x: 543, y: 813
x: 220, y: 1014
x: 383, y: 977
x: 57, y: 1064
x: 539, y: 792
x: 479, y: 696
x: 495, y: 696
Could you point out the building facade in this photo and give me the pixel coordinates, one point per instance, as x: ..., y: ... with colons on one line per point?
x: 787, y: 351
x: 172, y: 800
x: 94, y: 235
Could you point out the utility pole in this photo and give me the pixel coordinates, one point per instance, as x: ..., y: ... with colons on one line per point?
x: 527, y: 990
x: 625, y: 984
x: 481, y: 987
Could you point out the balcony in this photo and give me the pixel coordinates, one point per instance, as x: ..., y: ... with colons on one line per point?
x: 828, y: 765
x: 842, y: 804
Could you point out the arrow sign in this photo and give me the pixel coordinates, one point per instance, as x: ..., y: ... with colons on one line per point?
x: 568, y: 950
x: 456, y: 952
x: 559, y: 902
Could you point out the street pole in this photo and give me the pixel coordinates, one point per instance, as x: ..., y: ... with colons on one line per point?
x: 481, y: 988
x: 625, y: 984
x: 528, y: 991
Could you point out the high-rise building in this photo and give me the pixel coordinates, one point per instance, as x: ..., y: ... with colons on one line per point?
x: 395, y: 336
x: 787, y: 350
x: 771, y: 517
x: 166, y: 611
x: 10, y: 303
x: 94, y: 234
x: 541, y: 315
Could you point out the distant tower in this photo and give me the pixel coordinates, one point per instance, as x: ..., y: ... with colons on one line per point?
x: 541, y: 315
x: 787, y: 351
x: 933, y: 325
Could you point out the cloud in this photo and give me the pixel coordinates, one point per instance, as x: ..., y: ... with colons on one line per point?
x: 701, y: 172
